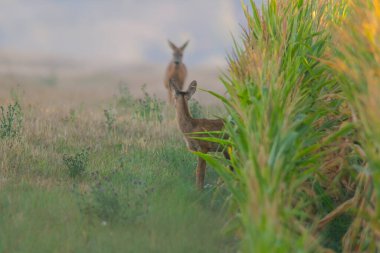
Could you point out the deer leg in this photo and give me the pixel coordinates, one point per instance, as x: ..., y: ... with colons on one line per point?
x: 200, y: 173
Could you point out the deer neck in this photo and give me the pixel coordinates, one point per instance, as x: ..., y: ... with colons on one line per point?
x: 184, y: 119
x: 177, y: 65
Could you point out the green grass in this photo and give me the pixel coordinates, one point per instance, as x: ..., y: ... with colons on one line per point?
x: 136, y: 193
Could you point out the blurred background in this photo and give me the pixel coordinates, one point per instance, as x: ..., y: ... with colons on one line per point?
x: 80, y: 46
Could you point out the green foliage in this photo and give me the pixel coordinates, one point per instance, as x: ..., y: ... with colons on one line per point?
x: 283, y: 108
x: 11, y: 121
x: 196, y: 109
x: 355, y: 63
x: 106, y: 204
x: 102, y: 200
x: 73, y: 115
x: 149, y: 107
x: 76, y: 163
x: 111, y: 202
x: 110, y: 119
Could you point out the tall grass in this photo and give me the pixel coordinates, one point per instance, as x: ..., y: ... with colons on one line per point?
x: 287, y: 124
x: 356, y: 63
x: 68, y: 184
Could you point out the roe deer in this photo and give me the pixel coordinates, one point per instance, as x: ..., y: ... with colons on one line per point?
x: 188, y: 125
x: 176, y: 69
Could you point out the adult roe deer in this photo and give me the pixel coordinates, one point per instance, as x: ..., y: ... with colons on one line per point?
x: 188, y: 125
x: 176, y: 69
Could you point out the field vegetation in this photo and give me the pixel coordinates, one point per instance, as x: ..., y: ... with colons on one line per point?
x: 303, y: 123
x: 109, y: 178
x: 302, y: 116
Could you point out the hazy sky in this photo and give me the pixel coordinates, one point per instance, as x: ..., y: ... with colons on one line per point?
x: 119, y: 32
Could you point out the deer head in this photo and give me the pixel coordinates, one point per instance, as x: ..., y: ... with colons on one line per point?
x: 183, y: 94
x: 177, y: 52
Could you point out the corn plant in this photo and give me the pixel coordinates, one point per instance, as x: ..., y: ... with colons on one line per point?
x: 285, y: 120
x: 356, y: 64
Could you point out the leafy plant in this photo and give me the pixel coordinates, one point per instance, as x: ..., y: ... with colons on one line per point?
x: 110, y: 119
x: 73, y: 115
x: 149, y: 107
x: 356, y: 65
x: 285, y: 122
x: 104, y: 203
x: 76, y: 163
x: 11, y: 120
x: 109, y: 203
x: 196, y: 109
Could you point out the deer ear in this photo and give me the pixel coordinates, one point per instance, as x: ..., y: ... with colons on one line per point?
x: 172, y: 46
x: 191, y: 90
x: 184, y: 45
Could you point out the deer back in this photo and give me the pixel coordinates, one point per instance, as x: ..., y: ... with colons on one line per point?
x: 199, y: 126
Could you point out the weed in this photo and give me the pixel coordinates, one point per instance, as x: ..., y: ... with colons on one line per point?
x: 11, y: 120
x: 125, y: 98
x: 149, y: 107
x: 196, y: 109
x: 73, y: 115
x: 109, y: 202
x: 110, y: 119
x: 77, y: 163
x: 103, y: 201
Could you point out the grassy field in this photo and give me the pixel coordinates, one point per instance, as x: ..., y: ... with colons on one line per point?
x: 302, y: 120
x: 86, y: 179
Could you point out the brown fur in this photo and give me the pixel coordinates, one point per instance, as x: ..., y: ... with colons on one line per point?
x: 176, y: 69
x: 189, y: 125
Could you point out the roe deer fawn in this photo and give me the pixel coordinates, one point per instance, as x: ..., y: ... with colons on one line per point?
x: 188, y: 125
x: 176, y: 69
